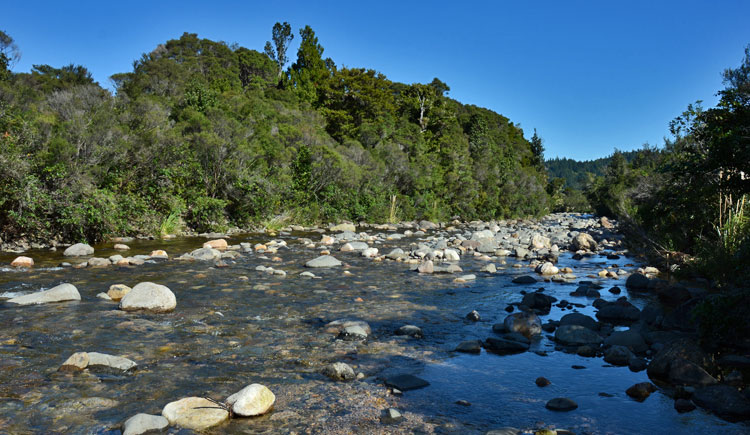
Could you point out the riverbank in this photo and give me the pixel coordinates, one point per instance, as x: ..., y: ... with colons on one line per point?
x: 239, y: 320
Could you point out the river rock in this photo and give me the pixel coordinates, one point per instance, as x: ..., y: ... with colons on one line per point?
x: 631, y: 339
x: 369, y: 252
x: 562, y: 404
x: 323, y: 261
x: 406, y: 382
x: 469, y: 346
x: 122, y: 247
x: 97, y: 359
x: 255, y: 399
x: 98, y: 262
x: 118, y: 291
x: 579, y: 319
x: 684, y: 372
x: 60, y: 293
x: 584, y: 242
x: 525, y: 279
x: 194, y: 413
x: 410, y: 330
x: 683, y: 405
x: 206, y: 254
x: 76, y: 362
x: 218, y: 244
x: 527, y: 324
x: 724, y: 400
x: 641, y: 391
x: 339, y: 372
x: 507, y: 344
x: 576, y: 335
x: 22, y: 262
x: 542, y: 382
x: 676, y: 352
x: 547, y: 269
x: 620, y: 312
x: 538, y: 301
x: 343, y: 227
x: 618, y: 355
x: 78, y: 250
x: 159, y: 254
x: 150, y: 297
x: 340, y: 327
x: 391, y: 416
x: 144, y: 423
x: 637, y: 281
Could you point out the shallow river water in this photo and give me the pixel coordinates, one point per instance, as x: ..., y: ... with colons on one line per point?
x: 234, y: 326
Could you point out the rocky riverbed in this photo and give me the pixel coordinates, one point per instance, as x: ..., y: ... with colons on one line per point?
x: 412, y: 328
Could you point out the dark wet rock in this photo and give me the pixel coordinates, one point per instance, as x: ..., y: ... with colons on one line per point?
x: 410, y: 330
x: 586, y: 351
x: 538, y: 301
x: 615, y: 290
x: 672, y: 295
x: 576, y: 335
x: 323, y: 261
x: 637, y: 364
x: 525, y: 279
x: 681, y: 318
x: 637, y: 281
x: 542, y: 381
x: 339, y: 372
x: 470, y: 346
x: 391, y: 416
x: 641, y: 391
x: 406, y: 382
x: 462, y: 402
x: 723, y: 400
x: 562, y: 404
x: 684, y: 372
x: 526, y: 324
x: 78, y: 250
x: 620, y: 312
x: 60, y: 293
x: 577, y: 367
x: 148, y: 296
x: 683, y: 405
x: 509, y: 308
x: 499, y: 328
x: 631, y: 339
x: 618, y: 355
x: 473, y: 316
x: 505, y: 345
x: 549, y: 326
x: 676, y: 353
x: 579, y: 319
x: 652, y: 315
x: 144, y: 423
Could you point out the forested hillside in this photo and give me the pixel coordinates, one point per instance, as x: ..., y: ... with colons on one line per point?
x: 204, y: 135
x: 576, y: 173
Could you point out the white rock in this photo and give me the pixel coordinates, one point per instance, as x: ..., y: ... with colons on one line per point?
x: 144, y: 423
x: 78, y: 250
x: 255, y: 399
x: 194, y: 413
x: 149, y: 296
x: 451, y: 255
x: 63, y: 292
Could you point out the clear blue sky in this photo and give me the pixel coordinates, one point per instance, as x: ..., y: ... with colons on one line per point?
x: 589, y: 76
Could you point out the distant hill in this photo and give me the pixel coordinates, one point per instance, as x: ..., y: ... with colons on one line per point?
x: 574, y: 172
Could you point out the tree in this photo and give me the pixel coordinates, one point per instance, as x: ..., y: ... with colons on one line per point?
x: 537, y: 151
x: 282, y: 35
x: 9, y: 54
x: 311, y: 73
x: 427, y: 97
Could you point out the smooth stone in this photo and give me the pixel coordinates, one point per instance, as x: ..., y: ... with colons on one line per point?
x: 406, y: 382
x: 76, y: 362
x: 410, y: 330
x: 144, y: 423
x: 97, y: 359
x: 255, y: 399
x: 78, y: 250
x: 683, y: 405
x: 98, y: 262
x: 218, y: 244
x: 339, y: 371
x: 206, y: 254
x: 194, y: 413
x: 118, y: 291
x: 561, y: 404
x: 641, y: 391
x: 470, y: 346
x: 542, y: 381
x: 121, y: 247
x: 579, y: 319
x: 473, y: 316
x: 150, y: 297
x: 724, y: 400
x: 618, y: 355
x: 323, y: 261
x: 525, y: 279
x: 391, y: 416
x: 576, y: 335
x: 527, y: 324
x: 504, y: 345
x: 104, y: 296
x: 60, y: 293
x: 22, y: 262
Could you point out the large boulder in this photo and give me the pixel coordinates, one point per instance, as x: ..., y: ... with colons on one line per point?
x: 527, y: 324
x: 584, y: 242
x: 637, y: 281
x: 723, y: 400
x: 22, y: 262
x: 78, y: 250
x: 255, y: 399
x: 618, y: 355
x: 619, y: 312
x: 194, y: 413
x: 60, y: 293
x: 149, y: 297
x: 677, y: 353
x: 323, y: 261
x: 576, y: 335
x: 538, y: 301
x: 631, y: 339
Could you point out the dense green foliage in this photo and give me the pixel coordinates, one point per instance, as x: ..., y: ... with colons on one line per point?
x: 575, y: 174
x: 205, y: 135
x: 691, y: 196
